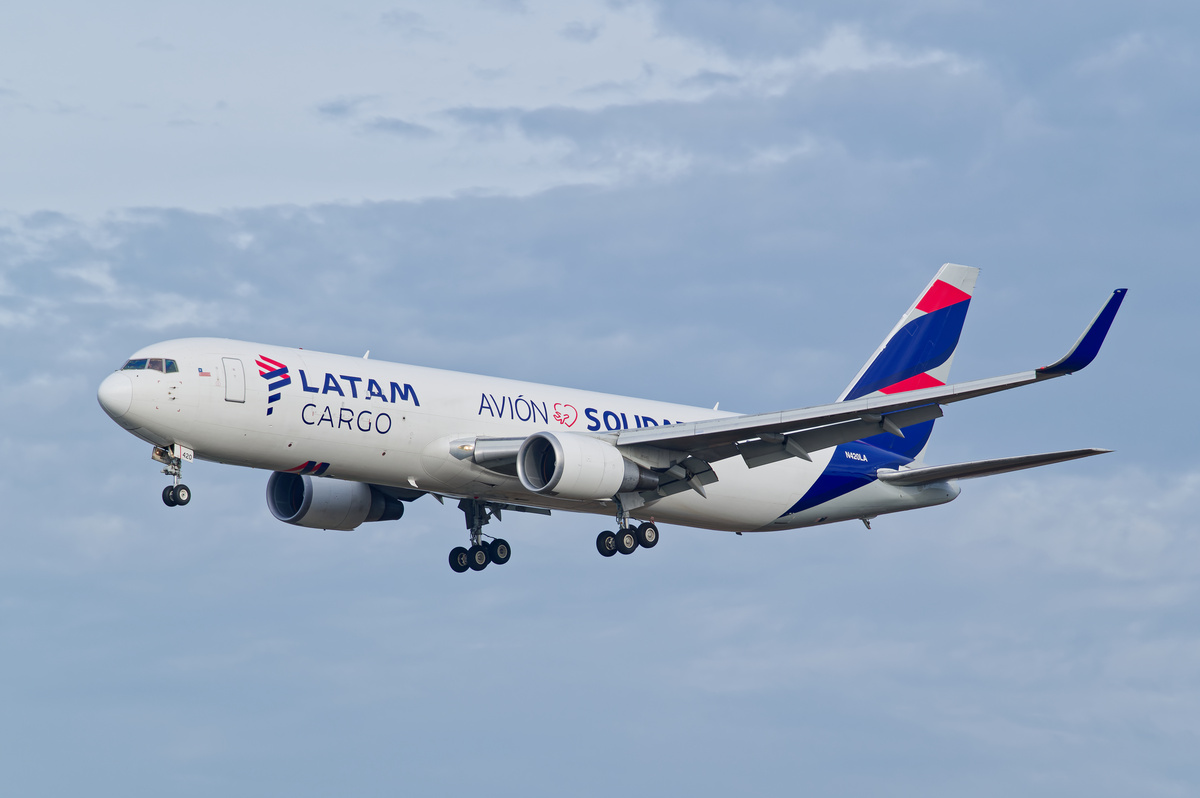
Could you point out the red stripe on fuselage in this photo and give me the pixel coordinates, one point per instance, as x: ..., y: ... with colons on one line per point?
x: 912, y: 384
x: 941, y: 295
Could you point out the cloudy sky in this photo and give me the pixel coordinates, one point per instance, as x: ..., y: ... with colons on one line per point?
x: 695, y: 202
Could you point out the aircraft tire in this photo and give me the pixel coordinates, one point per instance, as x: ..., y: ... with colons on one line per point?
x: 627, y: 541
x: 477, y: 558
x: 183, y: 494
x: 499, y: 551
x: 459, y: 561
x: 168, y: 496
x: 647, y: 535
x: 606, y: 544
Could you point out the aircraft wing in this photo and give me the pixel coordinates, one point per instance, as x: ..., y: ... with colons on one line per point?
x: 766, y: 437
x: 684, y: 452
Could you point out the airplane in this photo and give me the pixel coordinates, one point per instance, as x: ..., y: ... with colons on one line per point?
x: 352, y: 440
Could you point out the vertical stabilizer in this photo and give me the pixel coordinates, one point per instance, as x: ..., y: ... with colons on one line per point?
x: 918, y: 352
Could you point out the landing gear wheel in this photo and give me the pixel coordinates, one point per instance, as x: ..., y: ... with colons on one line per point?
x: 169, y: 496
x: 606, y: 544
x: 477, y: 558
x: 647, y: 535
x: 183, y: 494
x: 499, y: 551
x: 459, y: 561
x: 627, y: 541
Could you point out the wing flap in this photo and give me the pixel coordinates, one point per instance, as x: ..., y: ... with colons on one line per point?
x: 771, y: 449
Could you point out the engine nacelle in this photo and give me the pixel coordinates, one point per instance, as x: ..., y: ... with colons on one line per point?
x: 577, y: 466
x: 328, y: 503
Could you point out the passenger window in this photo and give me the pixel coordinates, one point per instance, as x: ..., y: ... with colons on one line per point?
x: 135, y: 365
x: 171, y: 367
x: 155, y: 363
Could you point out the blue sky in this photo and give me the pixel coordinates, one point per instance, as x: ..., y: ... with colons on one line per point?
x: 695, y: 202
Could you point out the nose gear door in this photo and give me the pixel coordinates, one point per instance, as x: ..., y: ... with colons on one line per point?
x: 235, y: 380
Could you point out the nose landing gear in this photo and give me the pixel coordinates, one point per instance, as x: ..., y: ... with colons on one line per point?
x: 175, y: 494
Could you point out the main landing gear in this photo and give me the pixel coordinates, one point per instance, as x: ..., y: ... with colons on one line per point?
x: 627, y: 538
x: 480, y: 554
x: 176, y: 494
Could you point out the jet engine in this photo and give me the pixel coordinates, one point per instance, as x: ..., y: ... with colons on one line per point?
x: 328, y: 503
x: 576, y: 466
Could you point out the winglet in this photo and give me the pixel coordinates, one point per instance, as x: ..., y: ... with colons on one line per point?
x: 1088, y: 345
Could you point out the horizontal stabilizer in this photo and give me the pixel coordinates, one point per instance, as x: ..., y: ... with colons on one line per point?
x: 980, y: 468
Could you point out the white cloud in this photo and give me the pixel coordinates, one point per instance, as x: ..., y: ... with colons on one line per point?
x: 784, y: 665
x: 397, y: 127
x: 1116, y: 55
x: 42, y: 392
x: 582, y: 32
x: 1042, y: 624
x: 409, y: 23
x: 214, y: 94
x: 95, y: 275
x: 17, y: 319
x: 845, y: 49
x: 1132, y: 525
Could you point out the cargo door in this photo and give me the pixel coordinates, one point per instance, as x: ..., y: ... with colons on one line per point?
x: 235, y: 380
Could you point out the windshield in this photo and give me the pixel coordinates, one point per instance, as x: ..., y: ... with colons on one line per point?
x: 165, y: 365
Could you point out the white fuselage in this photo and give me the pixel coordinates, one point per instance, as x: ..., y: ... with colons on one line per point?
x: 392, y: 424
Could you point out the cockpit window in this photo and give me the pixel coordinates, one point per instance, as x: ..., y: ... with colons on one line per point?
x: 153, y: 364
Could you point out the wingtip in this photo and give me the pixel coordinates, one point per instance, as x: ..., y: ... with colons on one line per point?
x: 1088, y: 345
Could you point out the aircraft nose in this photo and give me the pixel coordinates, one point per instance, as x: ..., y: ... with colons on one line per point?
x: 116, y: 394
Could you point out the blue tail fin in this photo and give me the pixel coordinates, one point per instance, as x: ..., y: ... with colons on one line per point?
x: 918, y: 352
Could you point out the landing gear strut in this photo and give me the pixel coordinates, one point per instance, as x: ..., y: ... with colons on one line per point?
x: 480, y: 554
x: 176, y: 494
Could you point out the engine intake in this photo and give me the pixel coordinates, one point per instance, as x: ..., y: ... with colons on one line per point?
x: 328, y: 503
x: 577, y: 466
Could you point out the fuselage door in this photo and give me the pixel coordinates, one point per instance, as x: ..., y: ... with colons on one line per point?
x: 235, y: 380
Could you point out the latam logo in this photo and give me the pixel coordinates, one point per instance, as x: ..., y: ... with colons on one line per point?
x: 311, y: 467
x: 270, y: 369
x: 912, y: 356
